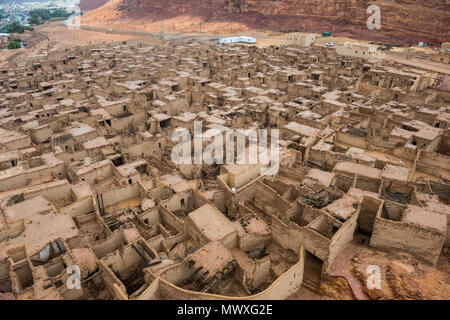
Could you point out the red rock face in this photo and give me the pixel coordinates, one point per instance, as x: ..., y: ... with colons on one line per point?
x: 410, y: 21
x: 86, y: 5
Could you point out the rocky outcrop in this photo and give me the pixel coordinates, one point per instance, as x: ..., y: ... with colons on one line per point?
x: 402, y: 276
x: 405, y: 20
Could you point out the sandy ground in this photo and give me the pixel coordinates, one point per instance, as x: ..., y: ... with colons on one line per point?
x: 6, y: 55
x: 56, y: 36
x: 61, y: 37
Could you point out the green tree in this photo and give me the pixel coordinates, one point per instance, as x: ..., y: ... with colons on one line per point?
x: 34, y: 19
x: 13, y: 45
x: 14, y: 27
x: 37, y: 16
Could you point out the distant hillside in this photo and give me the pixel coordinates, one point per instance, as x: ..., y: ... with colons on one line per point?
x: 86, y: 5
x: 404, y: 20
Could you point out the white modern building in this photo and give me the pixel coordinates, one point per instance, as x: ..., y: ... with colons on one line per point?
x: 238, y: 39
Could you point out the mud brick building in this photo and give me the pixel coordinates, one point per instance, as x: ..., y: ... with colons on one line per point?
x: 87, y: 178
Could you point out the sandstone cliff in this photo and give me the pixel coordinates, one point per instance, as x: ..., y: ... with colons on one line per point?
x: 406, y: 20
